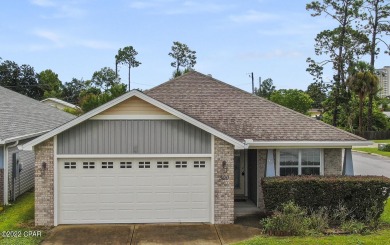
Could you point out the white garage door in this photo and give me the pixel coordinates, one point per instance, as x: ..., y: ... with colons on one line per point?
x: 133, y: 190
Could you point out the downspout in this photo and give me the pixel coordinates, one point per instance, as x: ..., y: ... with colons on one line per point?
x: 6, y: 171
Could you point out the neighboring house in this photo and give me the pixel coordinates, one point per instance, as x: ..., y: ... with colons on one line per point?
x: 315, y: 113
x: 180, y: 152
x: 60, y: 104
x: 21, y: 119
x: 384, y: 81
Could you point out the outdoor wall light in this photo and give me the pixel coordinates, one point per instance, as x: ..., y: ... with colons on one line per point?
x: 43, y: 165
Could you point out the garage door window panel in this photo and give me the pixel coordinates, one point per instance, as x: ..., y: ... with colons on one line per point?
x: 144, y: 165
x: 126, y: 165
x: 199, y: 164
x: 107, y: 165
x: 162, y: 164
x: 181, y: 164
x: 88, y: 165
x: 70, y: 165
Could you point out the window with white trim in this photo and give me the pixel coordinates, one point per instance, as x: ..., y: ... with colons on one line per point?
x: 300, y: 162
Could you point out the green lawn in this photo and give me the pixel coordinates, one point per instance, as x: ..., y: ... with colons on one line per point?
x: 19, y: 218
x: 379, y: 237
x: 373, y: 150
x: 382, y: 141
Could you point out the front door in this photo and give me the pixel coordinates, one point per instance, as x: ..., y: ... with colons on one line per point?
x: 239, y: 173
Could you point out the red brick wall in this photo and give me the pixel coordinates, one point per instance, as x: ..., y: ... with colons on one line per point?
x: 44, y: 184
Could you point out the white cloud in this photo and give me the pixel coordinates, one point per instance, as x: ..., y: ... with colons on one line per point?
x: 253, y: 16
x: 173, y: 7
x: 276, y: 53
x: 50, y: 36
x: 61, y: 9
x: 43, y: 3
x: 96, y: 44
x: 63, y: 40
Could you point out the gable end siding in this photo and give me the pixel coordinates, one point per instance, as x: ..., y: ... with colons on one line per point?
x: 134, y: 137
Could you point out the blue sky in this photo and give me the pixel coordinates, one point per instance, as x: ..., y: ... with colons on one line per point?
x: 74, y: 38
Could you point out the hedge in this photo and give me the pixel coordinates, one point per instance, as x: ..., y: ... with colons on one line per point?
x: 357, y: 193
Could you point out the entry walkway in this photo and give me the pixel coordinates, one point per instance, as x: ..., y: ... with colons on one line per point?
x: 204, y: 234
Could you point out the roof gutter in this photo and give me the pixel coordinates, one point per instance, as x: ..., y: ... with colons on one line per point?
x: 305, y: 144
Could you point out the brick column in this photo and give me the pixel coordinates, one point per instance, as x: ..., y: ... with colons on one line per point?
x: 223, y: 182
x: 44, y: 184
x: 261, y: 162
x: 333, y: 161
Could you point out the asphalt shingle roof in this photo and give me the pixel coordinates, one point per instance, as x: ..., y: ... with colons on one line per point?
x: 21, y: 115
x: 240, y: 114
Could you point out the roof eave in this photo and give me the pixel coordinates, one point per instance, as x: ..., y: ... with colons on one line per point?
x: 306, y: 144
x: 22, y: 137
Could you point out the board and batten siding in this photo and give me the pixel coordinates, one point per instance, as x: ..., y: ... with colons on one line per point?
x: 134, y: 137
x: 134, y: 106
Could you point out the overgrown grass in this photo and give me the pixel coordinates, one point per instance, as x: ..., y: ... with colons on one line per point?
x: 373, y: 150
x: 19, y: 219
x: 378, y: 237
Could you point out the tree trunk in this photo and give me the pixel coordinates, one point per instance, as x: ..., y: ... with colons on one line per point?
x: 116, y: 69
x: 372, y: 63
x: 129, y: 76
x: 340, y: 67
x: 361, y: 99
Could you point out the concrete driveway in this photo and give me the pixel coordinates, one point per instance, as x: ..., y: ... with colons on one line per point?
x: 367, y: 164
x: 204, y: 234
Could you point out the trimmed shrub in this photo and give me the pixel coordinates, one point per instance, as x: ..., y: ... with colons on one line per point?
x: 384, y: 147
x: 358, y: 194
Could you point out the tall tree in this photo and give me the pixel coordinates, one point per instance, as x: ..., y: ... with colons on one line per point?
x: 294, y: 99
x: 127, y: 56
x: 183, y: 56
x: 104, y: 78
x: 377, y: 25
x: 267, y: 88
x: 342, y: 45
x: 359, y: 82
x: 317, y: 91
x: 73, y: 89
x: 21, y: 79
x: 50, y: 84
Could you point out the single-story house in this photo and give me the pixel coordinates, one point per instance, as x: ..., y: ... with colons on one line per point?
x: 21, y: 119
x: 60, y: 104
x: 180, y: 152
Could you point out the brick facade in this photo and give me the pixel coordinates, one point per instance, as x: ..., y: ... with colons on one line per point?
x: 223, y: 182
x: 44, y: 184
x: 333, y: 161
x: 1, y: 186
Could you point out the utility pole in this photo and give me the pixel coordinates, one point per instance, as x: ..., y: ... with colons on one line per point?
x: 259, y: 85
x: 253, y: 84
